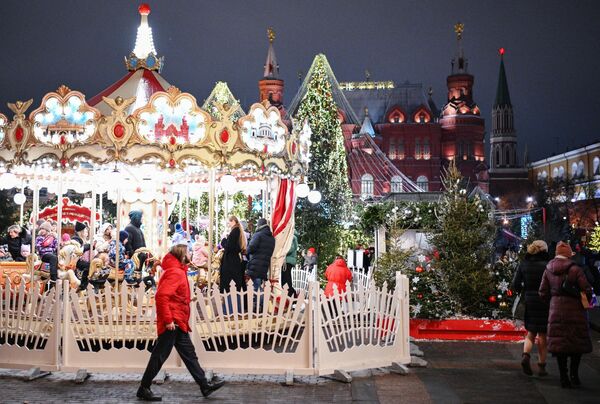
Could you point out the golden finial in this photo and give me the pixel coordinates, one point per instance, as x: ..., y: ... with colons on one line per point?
x: 459, y: 27
x: 271, y: 34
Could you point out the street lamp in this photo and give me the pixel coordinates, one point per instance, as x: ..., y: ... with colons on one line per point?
x: 529, y: 199
x: 497, y: 199
x: 302, y: 190
x: 314, y: 197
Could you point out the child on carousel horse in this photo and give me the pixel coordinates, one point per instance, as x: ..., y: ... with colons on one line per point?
x: 45, y: 245
x: 125, y: 264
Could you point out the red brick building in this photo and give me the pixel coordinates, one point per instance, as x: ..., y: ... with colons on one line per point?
x: 397, y: 140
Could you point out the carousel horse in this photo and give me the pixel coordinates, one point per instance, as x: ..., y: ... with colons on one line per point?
x: 146, y: 264
x: 99, y: 271
x: 67, y: 260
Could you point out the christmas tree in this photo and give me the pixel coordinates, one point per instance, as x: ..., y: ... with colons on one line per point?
x: 594, y: 243
x: 321, y: 225
x: 463, y: 236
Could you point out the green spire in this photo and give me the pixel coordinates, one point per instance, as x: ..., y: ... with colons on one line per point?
x: 502, y: 94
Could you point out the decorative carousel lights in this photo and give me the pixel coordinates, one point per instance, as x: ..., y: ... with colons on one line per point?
x: 149, y: 149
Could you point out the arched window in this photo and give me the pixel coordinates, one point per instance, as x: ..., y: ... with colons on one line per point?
x: 580, y: 169
x: 426, y: 149
x: 418, y: 152
x: 555, y: 172
x: 392, y: 150
x: 497, y: 162
x: 561, y: 172
x: 400, y: 149
x: 507, y: 154
x: 574, y: 170
x: 395, y: 115
x: 423, y: 183
x: 366, y: 186
x: 596, y: 165
x: 396, y: 184
x: 544, y: 175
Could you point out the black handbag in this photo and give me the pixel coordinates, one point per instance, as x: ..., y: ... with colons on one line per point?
x: 567, y: 288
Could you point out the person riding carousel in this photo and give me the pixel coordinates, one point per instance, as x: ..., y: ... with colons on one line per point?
x: 16, y: 238
x: 125, y: 264
x: 45, y: 245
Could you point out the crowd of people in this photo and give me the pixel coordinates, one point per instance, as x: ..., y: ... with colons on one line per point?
x: 557, y: 294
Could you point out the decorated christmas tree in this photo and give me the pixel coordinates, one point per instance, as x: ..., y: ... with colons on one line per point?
x: 463, y: 237
x: 320, y: 225
x: 594, y: 243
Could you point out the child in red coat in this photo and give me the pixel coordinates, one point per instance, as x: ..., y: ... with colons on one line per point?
x: 337, y: 274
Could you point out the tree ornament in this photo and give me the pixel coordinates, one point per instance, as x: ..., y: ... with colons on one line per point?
x: 492, y: 299
x: 419, y: 269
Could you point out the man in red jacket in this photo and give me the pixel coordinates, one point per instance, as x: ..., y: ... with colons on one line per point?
x: 172, y: 322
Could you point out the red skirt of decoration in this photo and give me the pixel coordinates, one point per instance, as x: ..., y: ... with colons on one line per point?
x: 466, y: 330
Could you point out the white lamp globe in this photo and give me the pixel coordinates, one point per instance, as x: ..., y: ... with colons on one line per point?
x: 19, y: 198
x: 302, y: 190
x: 228, y: 183
x: 8, y: 180
x: 314, y: 197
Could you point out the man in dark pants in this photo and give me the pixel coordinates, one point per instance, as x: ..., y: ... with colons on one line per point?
x: 172, y: 322
x: 291, y: 260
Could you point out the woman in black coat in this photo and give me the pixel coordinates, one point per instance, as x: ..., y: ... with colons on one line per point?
x: 16, y: 237
x: 234, y: 246
x: 527, y: 280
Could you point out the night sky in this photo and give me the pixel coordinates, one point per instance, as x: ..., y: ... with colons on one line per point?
x: 552, y: 50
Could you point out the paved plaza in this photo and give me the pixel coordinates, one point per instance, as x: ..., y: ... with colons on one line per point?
x: 458, y: 372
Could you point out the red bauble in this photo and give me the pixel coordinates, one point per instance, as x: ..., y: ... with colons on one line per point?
x: 419, y: 269
x: 420, y: 296
x: 19, y: 134
x: 119, y: 131
x: 224, y: 136
x: 436, y: 254
x: 509, y: 293
x: 427, y: 259
x: 171, y: 163
x: 144, y: 9
x: 492, y: 299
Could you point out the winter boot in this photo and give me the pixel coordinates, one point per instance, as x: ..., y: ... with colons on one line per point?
x: 574, y: 370
x: 526, y: 364
x: 565, y: 383
x: 542, y: 369
x: 207, y: 388
x: 144, y: 393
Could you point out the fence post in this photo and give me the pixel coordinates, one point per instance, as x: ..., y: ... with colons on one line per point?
x: 403, y: 294
x: 64, y: 329
x: 316, y: 325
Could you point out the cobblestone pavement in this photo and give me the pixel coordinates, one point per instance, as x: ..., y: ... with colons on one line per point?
x: 458, y: 372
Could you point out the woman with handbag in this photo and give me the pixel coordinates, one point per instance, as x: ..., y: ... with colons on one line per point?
x: 527, y: 280
x: 565, y: 285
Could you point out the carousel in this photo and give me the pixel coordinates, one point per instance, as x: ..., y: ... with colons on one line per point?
x: 148, y: 146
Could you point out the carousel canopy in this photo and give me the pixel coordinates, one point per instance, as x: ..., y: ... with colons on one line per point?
x: 143, y: 134
x: 143, y: 64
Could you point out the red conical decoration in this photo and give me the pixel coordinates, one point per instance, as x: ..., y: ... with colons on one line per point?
x: 172, y: 140
x: 63, y: 140
x: 171, y: 163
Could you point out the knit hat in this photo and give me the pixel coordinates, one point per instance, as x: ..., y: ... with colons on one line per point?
x: 79, y: 227
x: 178, y: 228
x: 537, y: 247
x: 564, y: 249
x: 312, y: 250
x: 66, y: 237
x: 104, y: 227
x: 46, y: 226
x: 261, y: 222
x: 123, y: 235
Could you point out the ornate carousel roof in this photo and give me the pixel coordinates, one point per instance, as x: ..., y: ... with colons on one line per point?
x: 141, y: 129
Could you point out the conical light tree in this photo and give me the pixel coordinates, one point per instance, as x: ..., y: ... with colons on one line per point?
x: 594, y: 243
x: 320, y: 225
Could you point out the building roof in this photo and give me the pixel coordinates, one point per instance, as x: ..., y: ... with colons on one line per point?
x: 378, y: 100
x: 337, y: 93
x: 502, y: 94
x: 367, y: 126
x: 369, y: 159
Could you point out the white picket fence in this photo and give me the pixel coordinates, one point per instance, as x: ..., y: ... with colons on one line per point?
x: 114, y: 330
x: 302, y: 276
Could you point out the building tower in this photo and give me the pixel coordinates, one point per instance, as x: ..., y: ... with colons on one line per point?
x: 508, y: 178
x: 462, y: 126
x: 271, y: 86
x: 503, y: 140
